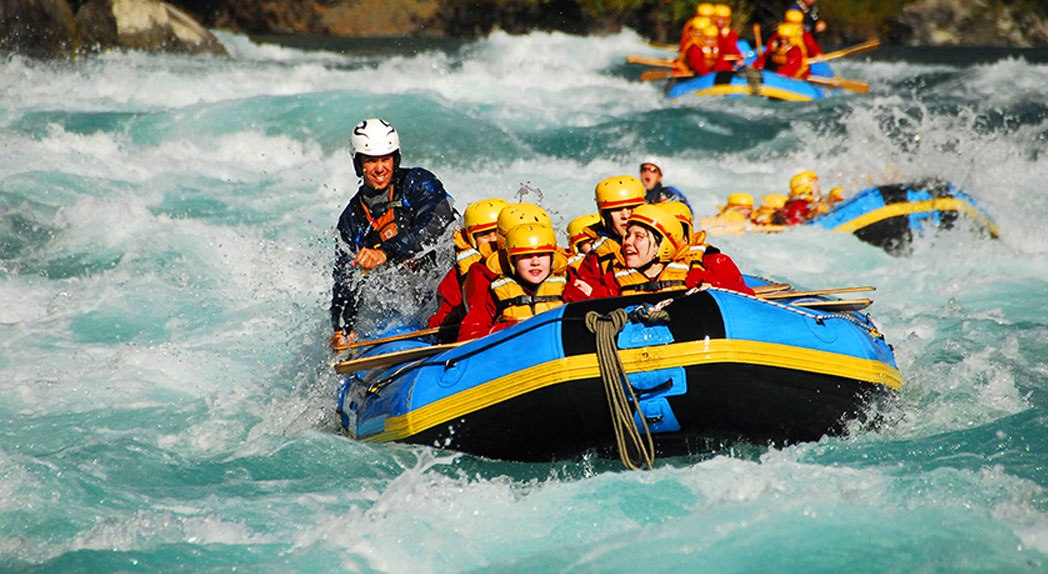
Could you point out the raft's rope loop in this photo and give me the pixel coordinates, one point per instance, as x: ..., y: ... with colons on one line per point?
x: 648, y: 314
x: 634, y: 450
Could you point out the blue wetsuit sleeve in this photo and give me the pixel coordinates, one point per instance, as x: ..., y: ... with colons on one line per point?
x: 344, y: 276
x: 675, y: 194
x: 343, y: 292
x: 431, y: 210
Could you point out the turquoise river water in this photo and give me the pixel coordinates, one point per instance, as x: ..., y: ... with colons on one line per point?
x: 167, y: 399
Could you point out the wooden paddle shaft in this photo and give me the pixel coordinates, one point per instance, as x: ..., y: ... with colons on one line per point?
x: 389, y: 339
x: 394, y: 358
x: 795, y: 294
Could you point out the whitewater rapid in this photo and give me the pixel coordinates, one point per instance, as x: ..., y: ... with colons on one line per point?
x: 166, y: 235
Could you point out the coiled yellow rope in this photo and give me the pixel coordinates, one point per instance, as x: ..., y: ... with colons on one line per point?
x: 634, y: 451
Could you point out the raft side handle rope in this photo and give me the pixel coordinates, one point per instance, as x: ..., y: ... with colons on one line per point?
x: 634, y: 450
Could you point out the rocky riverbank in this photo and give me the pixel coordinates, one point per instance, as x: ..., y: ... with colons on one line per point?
x: 60, y: 28
x: 49, y: 28
x: 1019, y: 23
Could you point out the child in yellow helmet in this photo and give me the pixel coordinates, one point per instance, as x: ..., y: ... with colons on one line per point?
x: 474, y: 241
x: 532, y: 283
x: 786, y: 53
x: 803, y: 199
x: 732, y: 218
x: 656, y: 258
x: 580, y: 241
x: 616, y: 198
x: 770, y: 203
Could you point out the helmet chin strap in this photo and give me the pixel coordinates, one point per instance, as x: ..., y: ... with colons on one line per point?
x: 644, y: 268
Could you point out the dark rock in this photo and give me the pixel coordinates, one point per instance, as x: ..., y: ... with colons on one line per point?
x: 48, y: 28
x: 356, y: 18
x: 963, y: 22
x: 38, y: 28
x: 157, y: 26
x: 97, y: 26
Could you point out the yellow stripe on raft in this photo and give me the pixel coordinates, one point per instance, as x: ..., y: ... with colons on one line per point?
x: 766, y: 91
x: 907, y: 208
x: 644, y: 359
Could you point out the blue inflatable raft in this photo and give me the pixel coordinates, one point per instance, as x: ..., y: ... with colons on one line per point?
x: 755, y: 83
x: 891, y: 216
x: 715, y: 368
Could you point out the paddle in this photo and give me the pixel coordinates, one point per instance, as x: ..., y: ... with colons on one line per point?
x: 657, y: 62
x: 852, y: 85
x: 389, y: 339
x: 387, y: 359
x: 794, y: 294
x: 864, y: 47
x: 771, y: 288
x: 662, y: 46
x: 656, y: 75
x: 757, y: 38
x: 851, y: 305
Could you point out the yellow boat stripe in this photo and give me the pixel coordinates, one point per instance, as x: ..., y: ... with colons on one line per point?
x: 766, y: 91
x: 907, y: 208
x: 644, y: 359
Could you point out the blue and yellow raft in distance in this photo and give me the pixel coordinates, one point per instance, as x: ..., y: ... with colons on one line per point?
x: 764, y: 84
x: 724, y: 367
x: 891, y: 216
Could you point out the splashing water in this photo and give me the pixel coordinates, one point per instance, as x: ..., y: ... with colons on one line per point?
x: 166, y: 235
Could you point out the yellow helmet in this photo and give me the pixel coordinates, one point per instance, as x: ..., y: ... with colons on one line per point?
x: 740, y: 200
x: 665, y: 225
x: 682, y: 212
x: 790, y: 30
x: 704, y: 9
x: 698, y: 23
x: 618, y: 192
x: 722, y: 11
x: 710, y: 31
x: 577, y: 229
x: 802, y: 185
x: 794, y: 16
x: 773, y: 201
x: 516, y: 214
x: 531, y: 239
x: 482, y: 216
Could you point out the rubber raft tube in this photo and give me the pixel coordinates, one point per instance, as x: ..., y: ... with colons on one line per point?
x: 724, y: 367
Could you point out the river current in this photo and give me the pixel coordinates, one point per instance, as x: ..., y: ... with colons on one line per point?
x: 166, y: 236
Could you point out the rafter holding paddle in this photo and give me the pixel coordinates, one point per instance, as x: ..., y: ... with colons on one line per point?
x: 673, y: 68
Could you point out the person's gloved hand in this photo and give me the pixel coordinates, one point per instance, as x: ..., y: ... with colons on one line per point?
x: 369, y: 259
x: 341, y: 339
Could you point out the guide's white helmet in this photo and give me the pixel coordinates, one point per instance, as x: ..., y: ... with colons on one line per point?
x: 374, y: 137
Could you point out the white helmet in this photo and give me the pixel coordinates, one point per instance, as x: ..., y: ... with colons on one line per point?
x: 374, y: 137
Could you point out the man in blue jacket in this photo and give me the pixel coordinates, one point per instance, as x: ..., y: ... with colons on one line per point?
x: 396, y: 215
x: 651, y: 177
